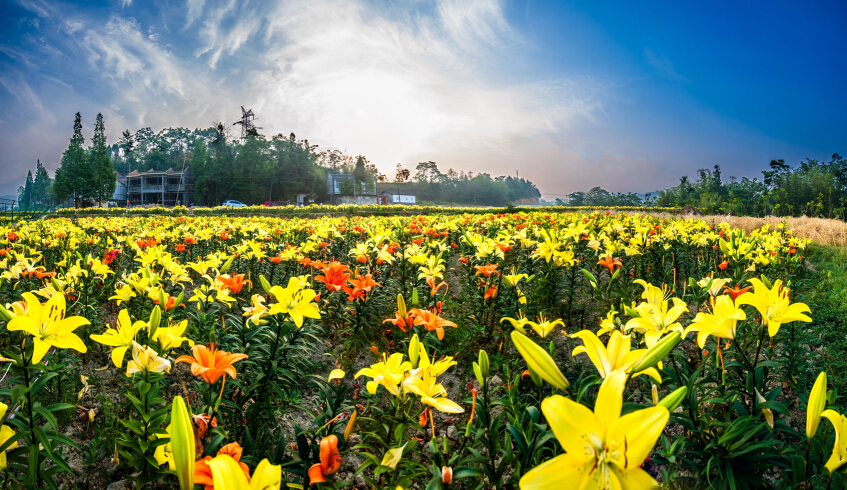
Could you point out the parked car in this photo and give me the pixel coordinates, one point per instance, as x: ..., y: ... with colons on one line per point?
x: 270, y: 204
x: 234, y: 204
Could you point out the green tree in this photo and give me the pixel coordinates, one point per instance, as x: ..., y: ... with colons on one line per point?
x: 102, y: 179
x: 72, y: 172
x: 25, y: 192
x: 41, y: 185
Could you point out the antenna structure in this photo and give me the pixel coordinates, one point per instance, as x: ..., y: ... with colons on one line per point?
x: 246, y: 122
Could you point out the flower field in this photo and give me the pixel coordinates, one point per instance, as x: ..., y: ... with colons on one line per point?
x: 529, y: 350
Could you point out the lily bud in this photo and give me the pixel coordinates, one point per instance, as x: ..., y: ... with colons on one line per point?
x: 659, y: 351
x: 672, y: 401
x: 767, y: 412
x: 401, y: 306
x: 484, y: 365
x: 655, y: 391
x: 182, y: 443
x: 154, y: 321
x: 414, y: 344
x: 227, y: 265
x: 179, y: 299
x: 446, y: 475
x: 539, y: 361
x: 415, y: 297
x: 817, y: 402
x: 478, y: 373
x: 350, y: 424
x: 5, y: 314
x: 265, y: 284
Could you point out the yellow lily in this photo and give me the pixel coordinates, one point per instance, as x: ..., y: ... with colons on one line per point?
x: 295, y: 302
x: 774, y: 305
x: 145, y: 359
x: 227, y: 475
x: 544, y: 326
x: 48, y: 326
x: 388, y: 373
x: 171, y: 337
x: 715, y: 285
x: 617, y: 356
x: 608, y: 324
x: 656, y: 319
x: 123, y: 293
x: 817, y: 402
x: 518, y: 323
x: 120, y: 338
x: 839, y: 450
x: 432, y: 393
x: 257, y: 311
x: 721, y: 322
x: 602, y: 448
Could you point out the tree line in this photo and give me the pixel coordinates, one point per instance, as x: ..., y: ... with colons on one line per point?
x: 812, y: 188
x: 85, y: 175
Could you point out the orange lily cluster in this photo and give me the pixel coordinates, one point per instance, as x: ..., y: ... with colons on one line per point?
x: 426, y: 318
x: 610, y: 263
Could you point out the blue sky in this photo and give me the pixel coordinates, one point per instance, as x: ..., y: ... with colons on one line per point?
x: 625, y: 95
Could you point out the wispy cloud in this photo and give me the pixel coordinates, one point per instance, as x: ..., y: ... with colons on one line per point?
x: 397, y: 83
x: 663, y: 65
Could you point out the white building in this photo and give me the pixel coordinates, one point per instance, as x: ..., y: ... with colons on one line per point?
x: 402, y: 199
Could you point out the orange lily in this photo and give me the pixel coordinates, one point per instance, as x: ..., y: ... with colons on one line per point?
x: 486, y: 270
x: 491, y: 292
x: 433, y: 288
x: 738, y: 291
x: 210, y: 363
x: 234, y: 283
x: 334, y: 276
x: 330, y: 460
x: 361, y: 287
x: 431, y: 321
x: 610, y: 263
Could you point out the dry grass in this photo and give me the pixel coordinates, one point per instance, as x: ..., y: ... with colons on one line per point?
x: 819, y: 230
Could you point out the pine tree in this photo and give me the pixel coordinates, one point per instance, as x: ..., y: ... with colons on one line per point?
x: 41, y: 185
x: 69, y: 175
x: 102, y: 180
x: 25, y: 192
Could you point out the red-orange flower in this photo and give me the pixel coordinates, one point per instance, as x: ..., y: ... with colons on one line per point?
x: 433, y: 288
x: 736, y: 292
x: 180, y: 248
x: 491, y: 292
x: 610, y: 263
x: 330, y: 460
x: 486, y: 270
x: 234, y: 283
x: 431, y: 321
x: 402, y: 322
x: 210, y: 363
x: 365, y: 283
x: 203, y: 474
x: 723, y: 265
x: 276, y: 259
x: 335, y: 275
